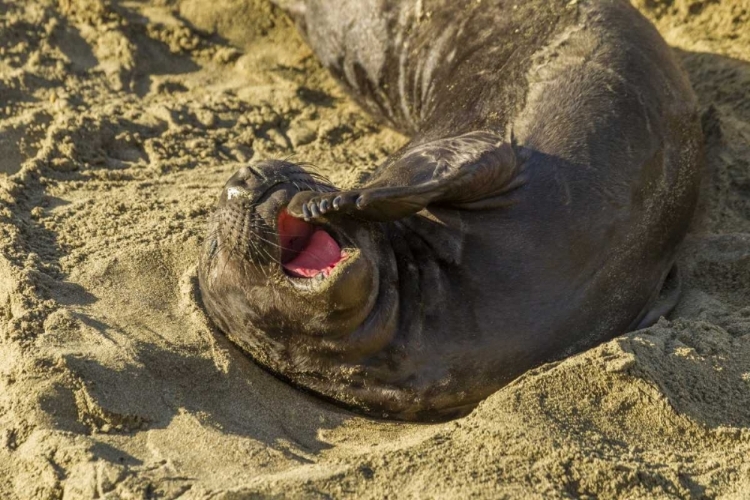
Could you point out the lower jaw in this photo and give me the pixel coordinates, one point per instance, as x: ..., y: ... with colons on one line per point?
x: 355, y: 338
x: 322, y: 280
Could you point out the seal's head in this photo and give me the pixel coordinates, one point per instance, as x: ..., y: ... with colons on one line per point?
x: 290, y: 291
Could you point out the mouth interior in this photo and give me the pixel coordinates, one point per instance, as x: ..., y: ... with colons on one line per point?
x: 306, y: 250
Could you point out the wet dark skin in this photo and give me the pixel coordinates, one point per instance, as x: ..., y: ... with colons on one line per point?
x: 552, y: 172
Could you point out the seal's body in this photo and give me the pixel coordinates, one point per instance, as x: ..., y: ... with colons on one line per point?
x: 552, y: 172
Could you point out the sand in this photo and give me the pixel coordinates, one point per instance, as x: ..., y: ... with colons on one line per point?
x: 119, y: 123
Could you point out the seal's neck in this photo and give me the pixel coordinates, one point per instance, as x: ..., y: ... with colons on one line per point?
x: 426, y: 247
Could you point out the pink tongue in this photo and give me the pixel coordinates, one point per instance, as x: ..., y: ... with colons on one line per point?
x: 320, y: 255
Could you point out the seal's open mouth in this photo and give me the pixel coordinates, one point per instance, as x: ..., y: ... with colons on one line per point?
x: 306, y: 250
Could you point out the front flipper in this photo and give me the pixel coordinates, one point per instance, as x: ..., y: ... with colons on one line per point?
x: 380, y: 204
x: 468, y: 171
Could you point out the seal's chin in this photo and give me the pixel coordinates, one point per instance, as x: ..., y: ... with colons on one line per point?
x: 307, y: 250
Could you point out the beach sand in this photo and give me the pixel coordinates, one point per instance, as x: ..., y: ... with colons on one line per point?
x: 119, y: 123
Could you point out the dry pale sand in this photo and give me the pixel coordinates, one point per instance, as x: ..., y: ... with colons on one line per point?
x: 119, y: 123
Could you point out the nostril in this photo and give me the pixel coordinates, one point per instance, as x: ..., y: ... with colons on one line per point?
x: 244, y: 173
x: 247, y: 172
x: 244, y: 180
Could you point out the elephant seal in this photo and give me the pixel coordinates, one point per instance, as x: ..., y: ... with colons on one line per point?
x: 552, y: 172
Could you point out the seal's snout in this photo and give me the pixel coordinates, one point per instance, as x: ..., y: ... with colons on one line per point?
x: 246, y: 183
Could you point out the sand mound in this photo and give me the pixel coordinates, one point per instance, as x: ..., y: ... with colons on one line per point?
x: 119, y: 123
